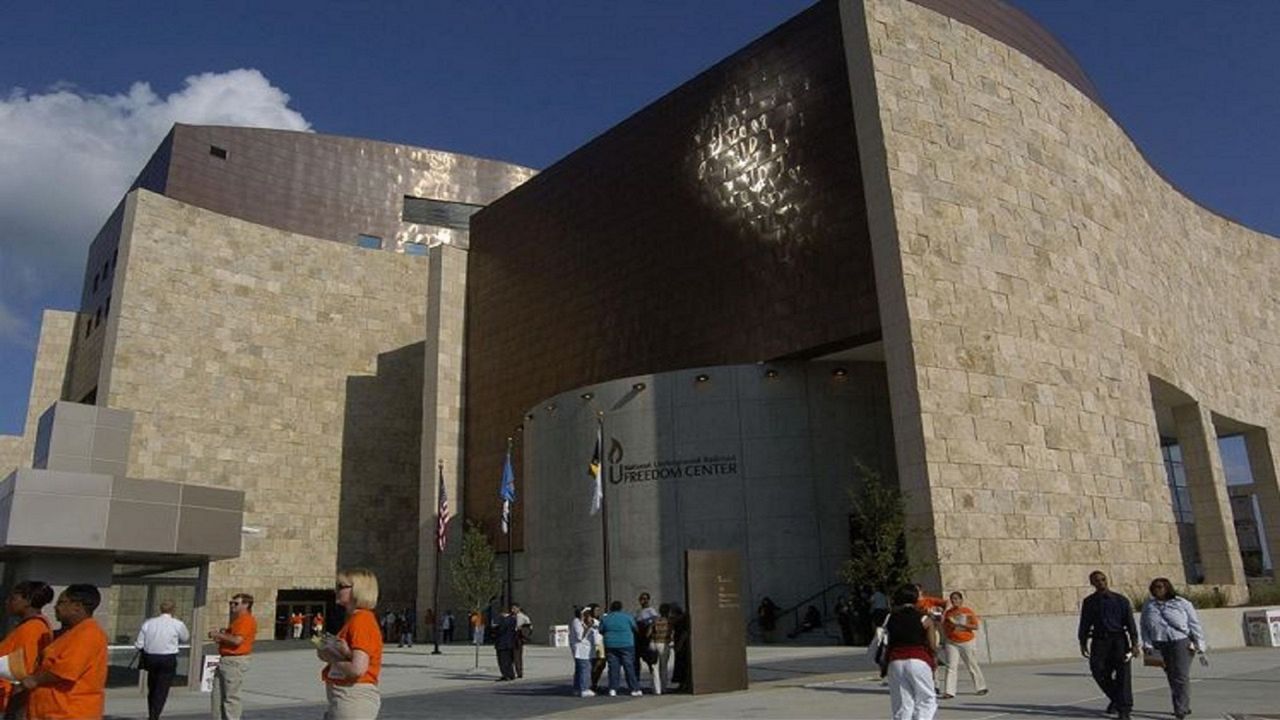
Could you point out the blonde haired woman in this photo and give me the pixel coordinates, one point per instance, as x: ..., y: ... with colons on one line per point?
x: 354, y: 656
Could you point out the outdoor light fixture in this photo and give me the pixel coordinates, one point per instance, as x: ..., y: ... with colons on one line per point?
x: 551, y: 407
x: 638, y: 387
x: 588, y: 395
x: 519, y: 428
x: 702, y: 377
x: 771, y: 373
x: 840, y: 372
x: 529, y: 416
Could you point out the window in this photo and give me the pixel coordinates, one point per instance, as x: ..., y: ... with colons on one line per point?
x: 88, y: 326
x: 440, y: 213
x: 96, y: 278
x: 220, y: 153
x: 369, y: 242
x: 106, y: 308
x: 415, y: 249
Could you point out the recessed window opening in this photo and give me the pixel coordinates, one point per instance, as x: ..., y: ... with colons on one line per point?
x: 218, y: 152
x: 438, y: 213
x: 411, y: 248
x: 369, y: 242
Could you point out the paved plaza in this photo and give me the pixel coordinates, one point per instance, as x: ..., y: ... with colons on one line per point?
x: 786, y: 682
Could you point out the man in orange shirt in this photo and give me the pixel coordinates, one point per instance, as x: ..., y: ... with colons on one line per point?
x: 235, y: 643
x: 959, y: 624
x: 71, y: 678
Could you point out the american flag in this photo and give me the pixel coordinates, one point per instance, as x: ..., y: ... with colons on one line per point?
x: 442, y: 515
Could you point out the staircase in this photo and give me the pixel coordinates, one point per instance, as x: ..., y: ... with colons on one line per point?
x: 787, y: 631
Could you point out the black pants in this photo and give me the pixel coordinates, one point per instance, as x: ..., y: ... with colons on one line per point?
x: 160, y: 672
x: 519, y: 659
x: 1111, y: 670
x: 446, y: 636
x: 506, y: 663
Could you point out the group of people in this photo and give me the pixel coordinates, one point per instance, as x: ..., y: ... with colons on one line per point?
x: 298, y: 624
x: 623, y: 641
x: 54, y: 677
x: 399, y: 627
x: 920, y: 629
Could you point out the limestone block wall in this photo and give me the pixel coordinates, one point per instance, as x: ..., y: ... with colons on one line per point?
x: 1034, y: 272
x: 47, y: 378
x: 259, y: 359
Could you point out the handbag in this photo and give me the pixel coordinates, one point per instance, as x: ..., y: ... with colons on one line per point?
x: 878, y: 649
x: 1152, y: 660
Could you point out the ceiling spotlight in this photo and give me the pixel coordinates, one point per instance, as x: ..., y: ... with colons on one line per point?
x: 529, y: 416
x: 551, y: 407
x: 519, y: 428
x: 702, y: 377
x: 588, y: 395
x: 771, y: 373
x: 638, y: 387
x: 840, y: 372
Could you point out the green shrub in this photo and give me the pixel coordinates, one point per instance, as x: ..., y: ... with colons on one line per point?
x: 1265, y: 593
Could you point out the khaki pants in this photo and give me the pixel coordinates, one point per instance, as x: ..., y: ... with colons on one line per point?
x: 352, y: 702
x: 227, y: 680
x: 956, y: 652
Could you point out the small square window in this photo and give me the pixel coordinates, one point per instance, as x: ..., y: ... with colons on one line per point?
x: 369, y: 242
x: 220, y: 153
x: 415, y: 249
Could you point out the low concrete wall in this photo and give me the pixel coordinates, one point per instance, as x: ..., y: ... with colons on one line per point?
x: 1017, y: 638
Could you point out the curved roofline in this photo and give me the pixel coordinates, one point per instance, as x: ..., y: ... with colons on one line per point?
x: 1018, y: 30
x: 357, y: 139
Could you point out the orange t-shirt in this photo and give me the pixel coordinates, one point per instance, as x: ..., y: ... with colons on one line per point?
x: 244, y: 626
x: 959, y: 634
x: 79, y: 658
x: 361, y: 632
x: 31, y: 635
x: 927, y: 603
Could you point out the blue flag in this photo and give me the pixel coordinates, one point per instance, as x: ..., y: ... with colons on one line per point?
x: 507, y: 492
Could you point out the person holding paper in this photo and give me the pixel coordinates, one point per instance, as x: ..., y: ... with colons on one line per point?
x: 235, y: 646
x: 71, y: 678
x: 959, y: 623
x: 31, y: 636
x: 353, y: 657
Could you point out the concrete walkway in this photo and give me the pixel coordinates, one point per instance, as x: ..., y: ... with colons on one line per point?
x: 786, y: 682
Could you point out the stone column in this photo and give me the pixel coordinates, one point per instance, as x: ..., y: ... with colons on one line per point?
x: 1262, y: 462
x: 1207, y: 483
x: 441, y: 418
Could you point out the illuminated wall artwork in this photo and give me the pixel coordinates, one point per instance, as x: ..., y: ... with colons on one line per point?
x: 745, y: 159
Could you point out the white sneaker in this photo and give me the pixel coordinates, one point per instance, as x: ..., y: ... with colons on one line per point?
x: 587, y: 693
x: 613, y: 693
x: 636, y: 693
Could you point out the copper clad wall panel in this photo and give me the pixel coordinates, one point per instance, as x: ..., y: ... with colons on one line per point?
x: 723, y: 224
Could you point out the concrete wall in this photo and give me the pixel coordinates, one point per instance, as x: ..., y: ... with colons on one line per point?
x: 1033, y: 638
x: 740, y: 461
x: 48, y: 376
x: 1035, y: 274
x: 242, y: 351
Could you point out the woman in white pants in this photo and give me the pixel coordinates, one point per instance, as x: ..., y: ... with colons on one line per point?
x: 660, y: 641
x: 959, y: 624
x: 912, y: 645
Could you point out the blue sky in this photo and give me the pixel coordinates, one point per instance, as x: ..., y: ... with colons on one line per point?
x: 1193, y: 82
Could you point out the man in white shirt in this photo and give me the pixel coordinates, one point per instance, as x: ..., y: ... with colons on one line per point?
x: 158, y: 640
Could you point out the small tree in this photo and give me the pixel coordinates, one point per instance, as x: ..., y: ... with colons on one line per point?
x: 474, y: 572
x: 878, y: 533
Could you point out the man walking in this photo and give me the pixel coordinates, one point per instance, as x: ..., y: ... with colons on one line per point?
x: 158, y: 640
x: 1109, y: 638
x: 504, y: 642
x: 235, y: 645
x: 70, y: 681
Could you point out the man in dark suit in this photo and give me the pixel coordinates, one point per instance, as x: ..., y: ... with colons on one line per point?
x: 1109, y: 638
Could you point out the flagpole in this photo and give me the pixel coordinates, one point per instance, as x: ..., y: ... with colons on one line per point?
x: 604, y: 507
x: 511, y: 525
x: 435, y: 591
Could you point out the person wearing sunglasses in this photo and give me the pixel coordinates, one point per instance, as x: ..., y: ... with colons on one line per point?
x: 353, y: 658
x: 235, y: 645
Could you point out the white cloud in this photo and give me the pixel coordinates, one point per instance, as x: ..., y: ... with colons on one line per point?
x: 67, y: 157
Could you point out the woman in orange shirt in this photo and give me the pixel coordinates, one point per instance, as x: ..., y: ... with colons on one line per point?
x: 31, y: 636
x: 354, y: 657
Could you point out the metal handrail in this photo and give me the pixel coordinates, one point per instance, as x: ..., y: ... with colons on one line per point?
x: 753, y: 625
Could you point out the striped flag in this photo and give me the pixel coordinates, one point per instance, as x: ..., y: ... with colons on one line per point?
x: 442, y: 515
x: 594, y: 470
x: 507, y: 492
